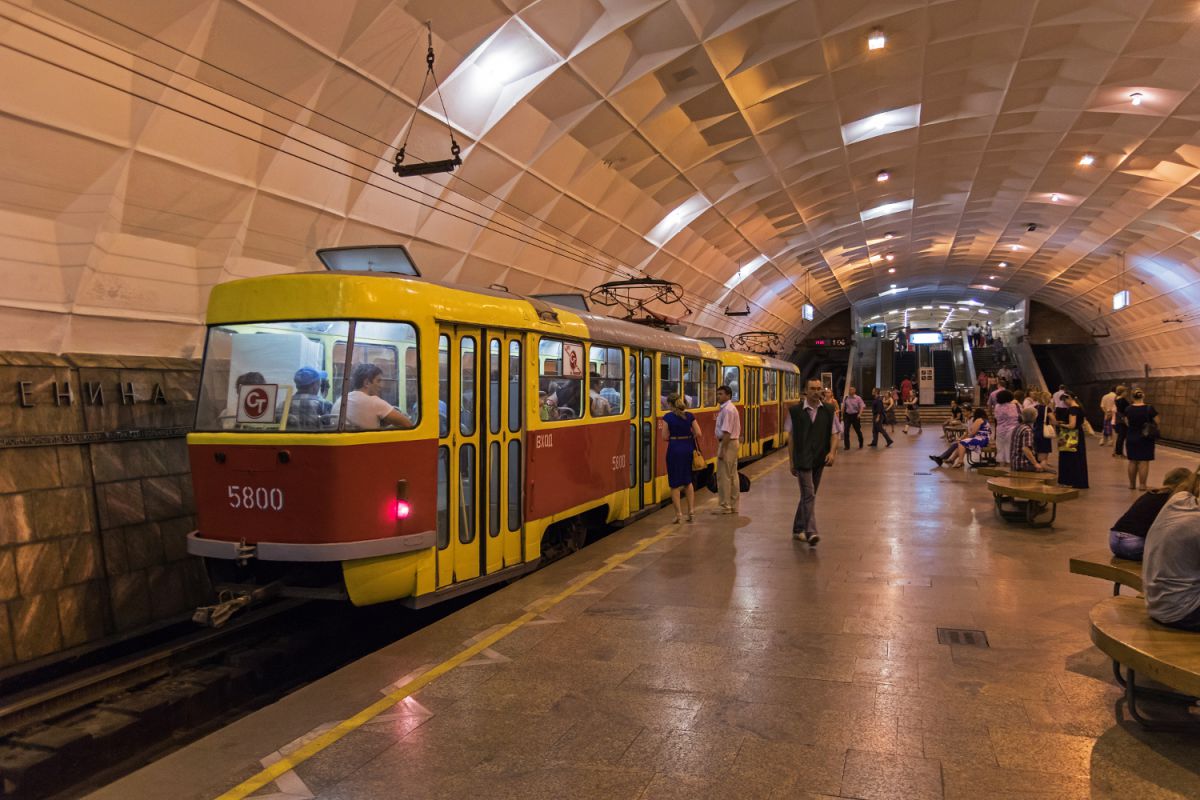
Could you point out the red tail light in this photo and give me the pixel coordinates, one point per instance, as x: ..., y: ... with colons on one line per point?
x: 403, y: 507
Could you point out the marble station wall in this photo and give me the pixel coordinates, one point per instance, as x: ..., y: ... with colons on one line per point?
x: 95, y: 498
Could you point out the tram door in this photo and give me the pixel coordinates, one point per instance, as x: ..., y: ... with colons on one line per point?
x: 753, y: 390
x: 473, y: 450
x: 644, y: 421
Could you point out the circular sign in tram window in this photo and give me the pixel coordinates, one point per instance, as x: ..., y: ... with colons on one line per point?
x: 256, y: 402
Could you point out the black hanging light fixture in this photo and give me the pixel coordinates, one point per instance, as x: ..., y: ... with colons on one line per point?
x: 428, y: 167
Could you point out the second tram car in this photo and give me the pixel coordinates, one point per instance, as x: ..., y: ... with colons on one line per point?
x: 517, y: 425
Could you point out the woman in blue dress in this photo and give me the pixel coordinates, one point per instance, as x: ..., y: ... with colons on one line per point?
x: 682, y: 435
x: 978, y: 436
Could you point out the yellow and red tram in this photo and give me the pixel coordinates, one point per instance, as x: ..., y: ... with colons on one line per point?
x: 530, y: 421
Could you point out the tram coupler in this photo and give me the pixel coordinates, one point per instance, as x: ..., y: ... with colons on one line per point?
x: 230, y: 600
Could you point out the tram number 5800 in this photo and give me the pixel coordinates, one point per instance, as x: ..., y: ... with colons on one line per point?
x: 255, y: 498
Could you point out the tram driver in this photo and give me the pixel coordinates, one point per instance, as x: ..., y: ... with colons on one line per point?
x: 365, y: 408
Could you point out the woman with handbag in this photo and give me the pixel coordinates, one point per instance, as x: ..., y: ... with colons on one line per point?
x: 1044, y: 429
x: 1142, y: 421
x: 1072, y: 445
x: 682, y: 435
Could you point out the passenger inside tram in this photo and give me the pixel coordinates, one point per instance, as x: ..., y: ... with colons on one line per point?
x: 308, y: 410
x: 365, y: 409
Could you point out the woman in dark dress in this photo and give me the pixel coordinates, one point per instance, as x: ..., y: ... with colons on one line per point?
x: 682, y: 435
x: 1139, y: 448
x: 1072, y: 445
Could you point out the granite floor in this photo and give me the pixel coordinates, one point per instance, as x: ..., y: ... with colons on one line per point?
x: 725, y: 660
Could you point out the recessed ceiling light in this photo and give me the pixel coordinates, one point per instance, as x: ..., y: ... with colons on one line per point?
x: 1015, y: 247
x: 889, y: 235
x: 1054, y: 198
x: 1003, y: 264
x: 1136, y: 98
x: 1087, y: 160
x: 891, y: 270
x: 876, y: 40
x: 882, y: 176
x: 890, y: 256
x: 991, y: 277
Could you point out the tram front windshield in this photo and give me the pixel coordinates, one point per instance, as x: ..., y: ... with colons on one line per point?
x: 295, y: 377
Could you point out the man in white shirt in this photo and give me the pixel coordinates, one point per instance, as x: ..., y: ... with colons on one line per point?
x: 729, y: 434
x: 1108, y: 404
x: 852, y: 406
x: 365, y: 409
x: 1059, y: 397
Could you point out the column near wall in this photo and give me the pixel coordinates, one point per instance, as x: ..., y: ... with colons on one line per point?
x: 95, y: 498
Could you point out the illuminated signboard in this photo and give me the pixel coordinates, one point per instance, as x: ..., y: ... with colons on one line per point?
x: 925, y: 338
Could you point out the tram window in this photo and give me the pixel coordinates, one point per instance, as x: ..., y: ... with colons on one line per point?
x: 494, y: 489
x: 494, y: 386
x: 560, y: 383
x: 443, y: 498
x: 647, y: 452
x: 255, y: 372
x: 769, y: 376
x: 606, y: 381
x: 669, y: 369
x: 381, y: 355
x: 466, y: 374
x: 708, y: 389
x: 691, y: 381
x: 384, y: 360
x: 730, y: 379
x: 632, y: 385
x: 515, y: 408
x: 466, y: 493
x: 632, y: 455
x: 647, y: 385
x: 514, y: 484
x: 443, y: 386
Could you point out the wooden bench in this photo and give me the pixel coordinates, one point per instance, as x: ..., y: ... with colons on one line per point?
x: 983, y: 457
x: 1021, y: 500
x: 1104, y: 565
x: 1003, y: 472
x: 1124, y: 632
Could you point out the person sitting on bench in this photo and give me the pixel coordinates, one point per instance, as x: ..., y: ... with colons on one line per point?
x: 1171, y: 564
x: 976, y: 438
x: 1127, y: 539
x: 1021, y: 457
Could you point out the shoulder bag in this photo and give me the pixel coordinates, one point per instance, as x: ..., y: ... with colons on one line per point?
x: 698, y: 462
x: 1150, y: 429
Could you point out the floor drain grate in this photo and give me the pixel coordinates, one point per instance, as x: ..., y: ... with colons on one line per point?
x: 962, y: 636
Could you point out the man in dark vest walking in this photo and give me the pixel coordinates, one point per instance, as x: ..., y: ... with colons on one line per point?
x: 813, y: 445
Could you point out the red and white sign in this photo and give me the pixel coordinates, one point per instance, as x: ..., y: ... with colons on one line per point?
x: 256, y: 402
x: 573, y: 361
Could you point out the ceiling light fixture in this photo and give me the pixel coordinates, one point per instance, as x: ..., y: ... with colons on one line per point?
x: 882, y: 176
x: 890, y: 256
x: 876, y: 40
x: 889, y: 235
x: 1136, y: 98
x: 1054, y: 197
x: 891, y: 270
x: 991, y: 277
x: 1015, y: 247
x: 1003, y: 264
x: 1087, y: 160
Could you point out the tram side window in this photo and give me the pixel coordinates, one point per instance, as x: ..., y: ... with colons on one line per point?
x: 560, y: 379
x: 730, y: 379
x: 670, y: 370
x: 443, y: 386
x: 769, y: 385
x: 691, y: 382
x: 708, y: 389
x: 270, y: 376
x: 606, y: 381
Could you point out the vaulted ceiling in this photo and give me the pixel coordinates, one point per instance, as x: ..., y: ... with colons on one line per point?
x: 734, y: 146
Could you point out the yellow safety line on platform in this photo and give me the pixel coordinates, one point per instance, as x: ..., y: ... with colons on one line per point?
x: 351, y: 724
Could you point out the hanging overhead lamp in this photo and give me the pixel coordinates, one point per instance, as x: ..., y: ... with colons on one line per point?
x: 1121, y: 297
x: 428, y: 167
